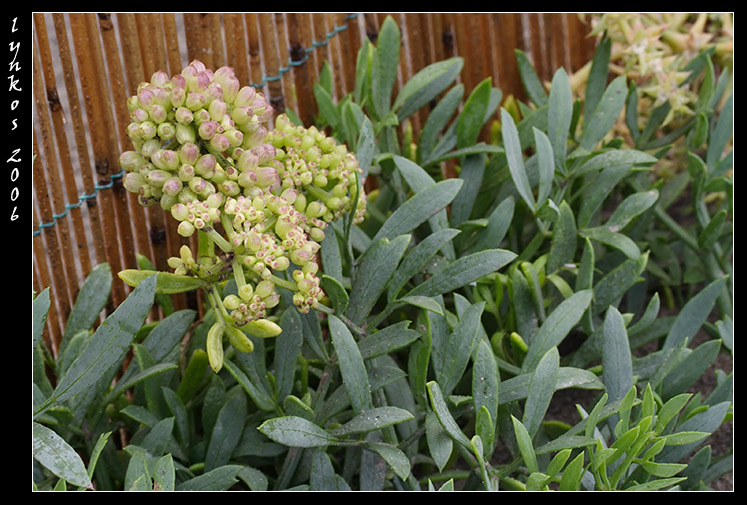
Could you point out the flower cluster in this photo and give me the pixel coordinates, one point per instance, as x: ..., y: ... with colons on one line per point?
x: 654, y: 49
x: 203, y: 151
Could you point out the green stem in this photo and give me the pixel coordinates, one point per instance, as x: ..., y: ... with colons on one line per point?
x: 219, y: 240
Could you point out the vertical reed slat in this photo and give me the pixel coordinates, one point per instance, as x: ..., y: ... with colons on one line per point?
x: 60, y: 233
x: 299, y: 39
x: 135, y: 215
x: 110, y: 161
x: 173, y: 53
x: 71, y: 85
x: 50, y: 244
x: 98, y: 127
x: 236, y: 56
x: 286, y: 77
x: 42, y: 281
x: 271, y: 60
x: 255, y: 50
x: 58, y: 120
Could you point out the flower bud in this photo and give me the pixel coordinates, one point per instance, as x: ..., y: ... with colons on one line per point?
x: 189, y: 153
x: 145, y: 98
x: 263, y: 328
x: 234, y: 136
x: 177, y: 97
x: 149, y: 147
x: 131, y: 161
x: 185, y: 134
x: 217, y: 109
x: 166, y: 131
x: 172, y: 186
x: 245, y: 96
x: 219, y: 142
x: 133, y: 182
x: 195, y: 101
x: 239, y: 340
x: 165, y: 159
x: 179, y: 211
x: 242, y: 115
x: 207, y: 129
x: 267, y: 177
x: 205, y: 166
x: 183, y: 115
x: 159, y: 78
x: 185, y: 229
x: 158, y: 177
x: 147, y: 130
x: 315, y: 209
x: 157, y: 113
x: 231, y: 302
x: 246, y: 292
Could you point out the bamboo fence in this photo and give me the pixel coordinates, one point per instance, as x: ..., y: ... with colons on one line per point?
x: 86, y: 65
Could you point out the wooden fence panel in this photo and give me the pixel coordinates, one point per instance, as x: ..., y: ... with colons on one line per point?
x: 86, y: 65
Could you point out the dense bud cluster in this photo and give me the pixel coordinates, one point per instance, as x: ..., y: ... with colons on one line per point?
x: 204, y: 153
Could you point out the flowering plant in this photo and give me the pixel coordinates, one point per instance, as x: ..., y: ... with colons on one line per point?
x: 263, y: 197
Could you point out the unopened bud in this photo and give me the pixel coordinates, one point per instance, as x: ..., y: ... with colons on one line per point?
x: 262, y: 328
x: 239, y: 340
x: 185, y: 134
x: 133, y: 182
x: 185, y: 229
x: 245, y: 96
x: 208, y: 129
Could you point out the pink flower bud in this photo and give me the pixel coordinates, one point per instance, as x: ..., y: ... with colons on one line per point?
x: 242, y: 115
x: 178, y: 96
x: 189, y: 153
x: 172, y: 186
x: 205, y: 166
x: 245, y: 96
x: 139, y: 115
x: 200, y: 116
x: 197, y: 184
x: 217, y: 109
x: 183, y: 115
x: 267, y: 177
x: 213, y: 92
x: 207, y: 130
x: 219, y: 142
x: 145, y: 98
x: 195, y: 101
x: 159, y: 78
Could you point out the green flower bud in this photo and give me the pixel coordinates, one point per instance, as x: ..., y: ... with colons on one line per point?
x: 166, y: 131
x: 246, y: 292
x: 231, y: 302
x: 185, y: 134
x: 214, y: 346
x: 186, y: 172
x: 165, y: 159
x: 179, y: 211
x: 185, y: 229
x: 264, y: 289
x: 131, y: 161
x: 133, y: 182
x: 195, y: 101
x: 239, y: 340
x: 262, y: 328
x: 158, y: 177
x: 205, y: 166
x: 147, y: 130
x: 207, y: 130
